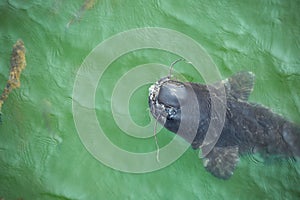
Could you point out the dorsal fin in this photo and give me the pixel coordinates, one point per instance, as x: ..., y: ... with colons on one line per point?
x: 240, y: 85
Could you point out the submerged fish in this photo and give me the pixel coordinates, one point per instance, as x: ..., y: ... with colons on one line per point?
x: 248, y: 127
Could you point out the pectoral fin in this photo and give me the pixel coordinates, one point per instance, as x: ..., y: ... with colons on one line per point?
x: 291, y: 136
x: 240, y: 85
x: 221, y: 161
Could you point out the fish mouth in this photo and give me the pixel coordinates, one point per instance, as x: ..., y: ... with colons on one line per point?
x: 157, y: 109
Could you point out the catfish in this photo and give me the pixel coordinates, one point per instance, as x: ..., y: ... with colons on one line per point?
x: 247, y: 128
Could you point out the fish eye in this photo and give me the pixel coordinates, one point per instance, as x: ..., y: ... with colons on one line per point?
x: 171, y: 112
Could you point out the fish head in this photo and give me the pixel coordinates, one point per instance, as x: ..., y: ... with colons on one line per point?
x: 166, y: 98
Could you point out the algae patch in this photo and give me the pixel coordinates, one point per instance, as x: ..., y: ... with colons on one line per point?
x: 87, y: 5
x: 17, y: 64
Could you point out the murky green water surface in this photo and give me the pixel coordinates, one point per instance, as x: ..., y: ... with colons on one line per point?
x: 41, y: 155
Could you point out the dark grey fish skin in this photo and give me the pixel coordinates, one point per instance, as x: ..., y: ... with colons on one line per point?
x: 248, y: 127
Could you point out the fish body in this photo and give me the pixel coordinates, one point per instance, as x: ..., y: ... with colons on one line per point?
x: 247, y: 127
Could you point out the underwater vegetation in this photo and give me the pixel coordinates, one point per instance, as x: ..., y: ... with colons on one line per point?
x: 88, y: 4
x: 17, y: 64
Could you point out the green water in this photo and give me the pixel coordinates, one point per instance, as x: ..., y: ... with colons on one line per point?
x: 41, y: 154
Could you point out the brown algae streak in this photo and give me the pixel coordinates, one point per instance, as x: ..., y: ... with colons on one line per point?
x: 88, y: 4
x: 17, y: 64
